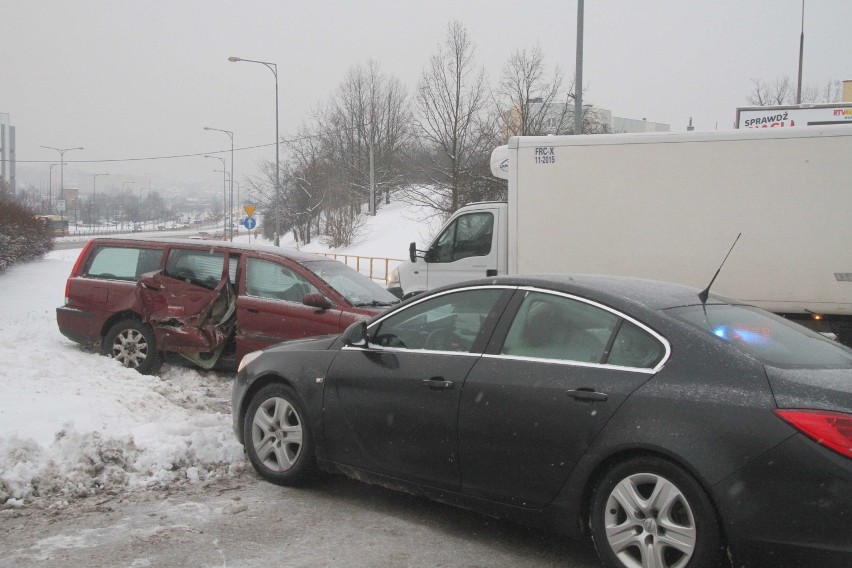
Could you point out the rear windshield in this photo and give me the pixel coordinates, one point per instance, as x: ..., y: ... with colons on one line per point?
x: 772, y: 339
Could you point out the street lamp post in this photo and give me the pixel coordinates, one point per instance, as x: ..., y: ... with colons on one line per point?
x: 274, y: 68
x: 231, y: 199
x: 224, y: 189
x: 62, y: 165
x: 50, y: 190
x: 227, y: 179
x: 94, y: 186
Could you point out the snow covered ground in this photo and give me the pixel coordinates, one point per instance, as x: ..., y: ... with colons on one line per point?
x: 75, y: 424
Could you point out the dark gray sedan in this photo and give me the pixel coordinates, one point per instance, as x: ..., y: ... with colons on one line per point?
x: 674, y: 432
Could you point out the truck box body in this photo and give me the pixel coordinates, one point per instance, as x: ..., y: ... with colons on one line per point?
x: 668, y: 206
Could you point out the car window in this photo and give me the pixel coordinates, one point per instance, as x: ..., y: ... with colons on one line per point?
x: 449, y: 322
x: 469, y: 235
x: 123, y: 263
x: 770, y: 338
x: 548, y: 326
x: 635, y: 347
x: 199, y: 267
x: 233, y: 263
x: 265, y: 279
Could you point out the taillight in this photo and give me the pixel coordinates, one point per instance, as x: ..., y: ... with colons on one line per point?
x: 830, y: 429
x: 83, y: 254
x: 75, y: 271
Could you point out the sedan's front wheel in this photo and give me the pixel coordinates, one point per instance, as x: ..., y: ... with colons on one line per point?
x: 649, y: 513
x: 277, y: 437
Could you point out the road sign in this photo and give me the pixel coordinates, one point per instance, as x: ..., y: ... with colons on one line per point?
x: 249, y: 223
x: 249, y: 209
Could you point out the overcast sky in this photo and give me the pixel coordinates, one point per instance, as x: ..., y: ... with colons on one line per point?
x: 138, y: 79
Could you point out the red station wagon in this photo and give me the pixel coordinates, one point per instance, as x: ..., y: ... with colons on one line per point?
x: 209, y: 302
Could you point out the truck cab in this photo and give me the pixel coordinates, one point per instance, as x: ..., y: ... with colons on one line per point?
x: 472, y: 244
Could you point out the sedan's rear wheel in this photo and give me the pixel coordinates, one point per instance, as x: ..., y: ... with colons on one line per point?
x: 277, y: 437
x: 649, y: 513
x: 131, y: 343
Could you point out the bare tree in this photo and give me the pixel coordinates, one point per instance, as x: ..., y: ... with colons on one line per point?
x: 782, y: 92
x: 779, y: 92
x: 263, y: 192
x: 365, y: 128
x: 528, y: 101
x: 829, y: 93
x: 455, y: 132
x: 306, y: 185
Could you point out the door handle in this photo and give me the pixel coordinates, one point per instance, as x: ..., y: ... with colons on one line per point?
x: 437, y: 384
x: 587, y: 394
x: 253, y: 310
x: 490, y: 272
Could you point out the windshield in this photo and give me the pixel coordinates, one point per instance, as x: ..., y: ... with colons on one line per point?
x: 772, y: 339
x: 352, y: 285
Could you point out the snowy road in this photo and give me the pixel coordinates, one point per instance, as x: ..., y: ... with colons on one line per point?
x: 247, y: 522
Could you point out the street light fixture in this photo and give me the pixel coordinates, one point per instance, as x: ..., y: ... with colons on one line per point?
x: 94, y: 186
x: 62, y: 165
x: 50, y: 190
x: 231, y: 200
x: 274, y: 68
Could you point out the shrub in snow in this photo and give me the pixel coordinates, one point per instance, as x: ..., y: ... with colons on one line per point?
x: 22, y: 238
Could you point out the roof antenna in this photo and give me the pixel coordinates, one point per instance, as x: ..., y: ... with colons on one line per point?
x: 704, y: 294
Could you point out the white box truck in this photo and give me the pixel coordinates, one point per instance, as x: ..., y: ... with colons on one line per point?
x: 667, y: 206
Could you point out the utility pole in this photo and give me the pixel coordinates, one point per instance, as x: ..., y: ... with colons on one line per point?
x: 578, y: 73
x: 801, y: 57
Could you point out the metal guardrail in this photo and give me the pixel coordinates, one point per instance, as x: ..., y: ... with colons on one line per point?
x: 375, y: 268
x: 104, y: 231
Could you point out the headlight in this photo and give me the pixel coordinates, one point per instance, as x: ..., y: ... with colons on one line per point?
x: 393, y: 279
x: 248, y: 359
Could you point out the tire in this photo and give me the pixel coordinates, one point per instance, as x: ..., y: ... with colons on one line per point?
x: 277, y: 436
x: 132, y: 344
x: 649, y: 512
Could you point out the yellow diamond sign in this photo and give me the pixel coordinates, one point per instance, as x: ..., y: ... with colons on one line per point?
x: 249, y: 209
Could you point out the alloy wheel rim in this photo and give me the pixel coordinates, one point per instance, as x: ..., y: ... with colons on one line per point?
x: 130, y: 348
x: 649, y: 523
x: 277, y: 434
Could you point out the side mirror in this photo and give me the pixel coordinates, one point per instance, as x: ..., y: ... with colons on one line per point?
x: 356, y: 335
x: 316, y: 301
x: 412, y: 252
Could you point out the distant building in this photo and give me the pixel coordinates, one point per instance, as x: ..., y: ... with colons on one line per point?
x: 558, y: 118
x: 7, y: 152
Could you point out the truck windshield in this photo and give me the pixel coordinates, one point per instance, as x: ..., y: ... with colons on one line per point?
x: 772, y: 339
x: 352, y: 285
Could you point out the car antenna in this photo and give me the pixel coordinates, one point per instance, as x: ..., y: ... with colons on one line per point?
x: 704, y: 294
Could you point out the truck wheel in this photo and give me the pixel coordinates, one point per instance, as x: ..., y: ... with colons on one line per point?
x: 648, y: 512
x: 131, y: 343
x: 277, y: 436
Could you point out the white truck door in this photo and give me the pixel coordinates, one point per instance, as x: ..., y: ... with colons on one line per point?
x: 466, y: 249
